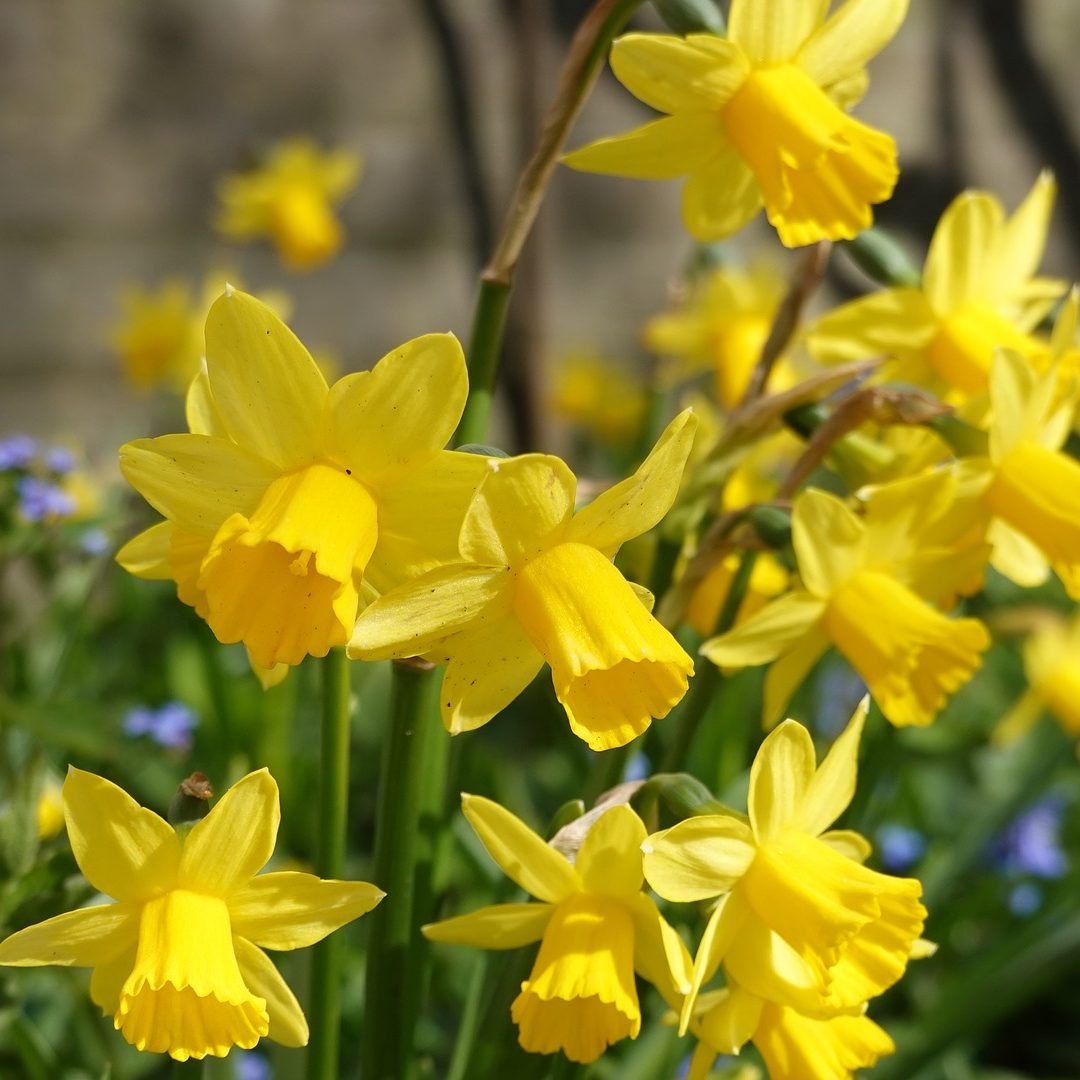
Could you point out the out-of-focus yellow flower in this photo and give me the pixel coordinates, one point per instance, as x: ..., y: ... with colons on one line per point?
x: 979, y: 293
x: 801, y: 923
x: 595, y: 927
x: 768, y: 580
x: 862, y: 586
x: 178, y: 960
x: 794, y: 1047
x: 159, y: 338
x: 291, y: 199
x: 537, y: 585
x: 599, y: 396
x: 758, y: 117
x: 49, y: 812
x: 288, y: 495
x: 721, y: 327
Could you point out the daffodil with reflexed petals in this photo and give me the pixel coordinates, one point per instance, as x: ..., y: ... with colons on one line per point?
x: 759, y: 117
x: 801, y: 922
x: 979, y: 293
x: 178, y: 959
x: 288, y: 496
x: 539, y: 585
x: 595, y: 927
x: 864, y: 580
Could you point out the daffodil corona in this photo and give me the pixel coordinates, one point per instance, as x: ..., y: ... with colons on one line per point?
x: 539, y: 585
x: 759, y: 117
x: 178, y: 959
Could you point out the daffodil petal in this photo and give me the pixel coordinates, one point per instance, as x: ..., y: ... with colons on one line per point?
x: 787, y: 673
x: 500, y: 926
x: 768, y: 966
x: 767, y: 633
x: 723, y: 929
x: 850, y: 844
x: 196, y: 481
x: 288, y: 1026
x: 609, y: 861
x: 828, y: 539
x: 522, y: 855
x: 269, y: 393
x: 660, y: 955
x: 730, y: 1024
x: 518, y: 510
x: 489, y: 668
x: 147, y: 554
x: 699, y: 858
x: 779, y: 779
x: 772, y: 31
x: 636, y: 504
x: 721, y: 195
x: 108, y: 978
x: 404, y: 408
x: 1022, y: 240
x: 855, y: 32
x: 675, y: 75
x: 411, y: 619
x: 957, y: 261
x: 832, y: 786
x: 893, y: 322
x: 200, y: 410
x: 82, y: 938
x: 1014, y: 556
x: 123, y: 849
x: 660, y: 150
x: 235, y: 840
x: 291, y: 910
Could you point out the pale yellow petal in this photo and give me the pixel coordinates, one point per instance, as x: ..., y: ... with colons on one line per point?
x: 660, y: 955
x: 200, y: 410
x: 1016, y: 557
x: 639, y: 502
x: 412, y: 619
x: 269, y: 393
x: 125, y: 850
x: 893, y: 322
x: 83, y: 938
x: 1022, y: 241
x: 722, y: 931
x: 235, y: 840
x: 768, y: 633
x: 855, y: 32
x: 832, y: 787
x: 407, y: 406
x: 287, y: 1023
x: 728, y: 1025
x: 522, y: 855
x: 773, y: 31
x: 779, y: 779
x: 828, y: 538
x: 107, y: 979
x: 720, y: 196
x: 675, y: 75
x: 147, y: 554
x: 660, y: 150
x: 501, y: 926
x: 956, y: 265
x: 699, y: 858
x: 291, y: 910
x: 850, y: 844
x: 609, y: 861
x: 787, y: 673
x: 196, y: 481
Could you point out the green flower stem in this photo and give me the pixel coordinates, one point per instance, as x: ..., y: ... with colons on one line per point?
x: 583, y: 62
x: 693, y: 708
x: 691, y: 16
x: 414, y: 758
x: 325, y: 1008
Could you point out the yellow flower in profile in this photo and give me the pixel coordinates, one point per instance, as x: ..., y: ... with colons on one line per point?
x: 538, y: 584
x: 979, y: 293
x: 178, y: 959
x: 794, y: 1047
x: 595, y: 927
x: 863, y: 582
x: 291, y: 199
x: 801, y: 923
x: 758, y: 117
x: 599, y: 396
x: 721, y: 328
x: 49, y: 812
x: 288, y: 496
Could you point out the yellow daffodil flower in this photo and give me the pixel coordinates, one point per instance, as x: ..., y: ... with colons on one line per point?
x: 49, y: 812
x: 288, y: 496
x: 801, y: 923
x: 721, y: 327
x: 758, y: 117
x: 595, y: 927
x: 794, y: 1047
x: 979, y: 293
x: 158, y: 337
x: 599, y: 396
x: 291, y: 200
x: 768, y: 580
x: 863, y: 581
x: 178, y: 959
x: 538, y: 585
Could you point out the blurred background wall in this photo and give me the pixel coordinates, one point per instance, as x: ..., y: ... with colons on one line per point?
x: 116, y: 117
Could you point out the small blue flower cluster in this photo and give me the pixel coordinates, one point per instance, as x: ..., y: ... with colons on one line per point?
x: 170, y: 725
x: 37, y: 469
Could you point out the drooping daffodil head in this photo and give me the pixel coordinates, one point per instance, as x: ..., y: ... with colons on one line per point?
x: 535, y: 583
x: 759, y: 118
x: 801, y: 922
x: 288, y: 495
x: 178, y: 958
x: 595, y: 925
